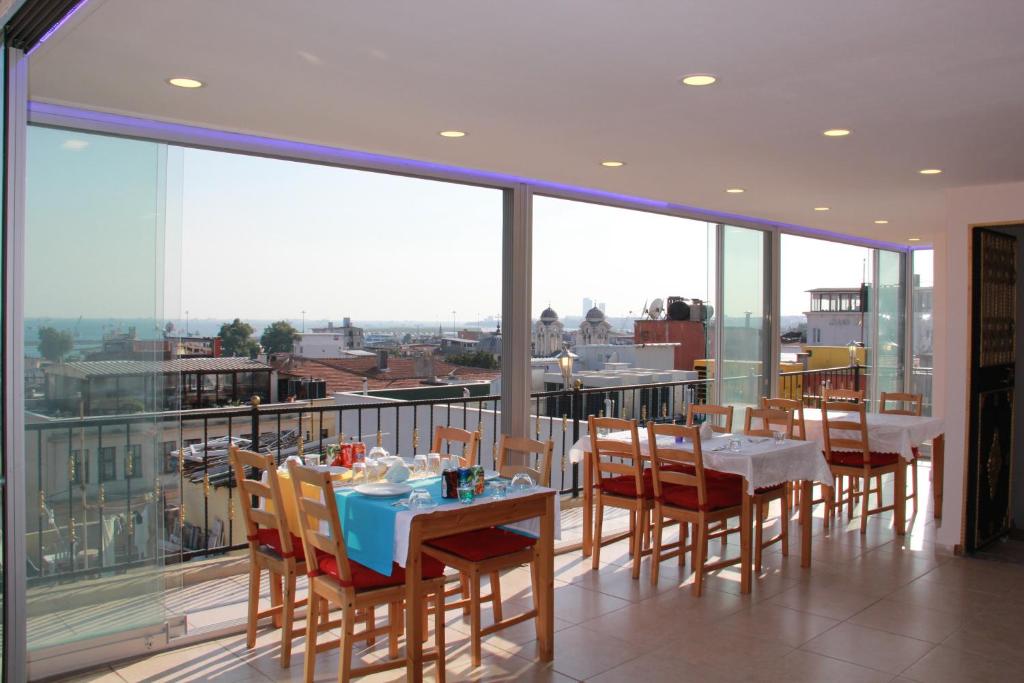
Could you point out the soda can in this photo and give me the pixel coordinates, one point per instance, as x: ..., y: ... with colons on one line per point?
x: 478, y: 480
x: 450, y: 484
x: 465, y: 475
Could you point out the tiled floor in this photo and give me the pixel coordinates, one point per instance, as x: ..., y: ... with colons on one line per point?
x: 869, y: 609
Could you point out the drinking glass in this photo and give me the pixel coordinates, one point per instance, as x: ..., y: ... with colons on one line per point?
x: 419, y: 465
x: 734, y: 445
x: 311, y: 460
x: 466, y: 493
x: 779, y: 436
x: 434, y: 463
x: 521, y: 482
x: 358, y: 472
x: 499, y: 489
x: 420, y: 499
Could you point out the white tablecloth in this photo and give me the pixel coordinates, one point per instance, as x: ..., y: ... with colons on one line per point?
x: 403, y: 521
x: 886, y: 433
x: 760, y: 461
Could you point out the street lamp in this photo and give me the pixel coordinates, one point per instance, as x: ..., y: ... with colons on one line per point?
x: 566, y: 359
x: 852, y: 349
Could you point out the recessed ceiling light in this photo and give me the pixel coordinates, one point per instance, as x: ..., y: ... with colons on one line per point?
x: 913, y: 239
x: 836, y: 132
x: 699, y: 79
x: 613, y: 164
x: 180, y: 82
x: 452, y: 134
x: 735, y: 190
x: 881, y: 221
x: 930, y: 171
x: 823, y: 208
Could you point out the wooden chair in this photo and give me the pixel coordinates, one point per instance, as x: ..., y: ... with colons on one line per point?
x: 771, y: 420
x: 683, y: 493
x: 272, y: 546
x: 489, y: 551
x: 709, y: 413
x: 793, y: 406
x: 852, y: 457
x: 626, y: 488
x: 448, y: 435
x: 353, y: 587
x: 907, y: 404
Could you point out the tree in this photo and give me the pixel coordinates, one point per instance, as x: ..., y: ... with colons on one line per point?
x: 474, y: 359
x: 279, y: 337
x: 54, y: 344
x: 236, y: 339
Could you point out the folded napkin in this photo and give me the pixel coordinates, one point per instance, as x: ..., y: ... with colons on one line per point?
x: 397, y: 473
x: 706, y: 432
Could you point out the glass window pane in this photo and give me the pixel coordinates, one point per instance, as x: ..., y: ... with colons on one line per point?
x: 891, y: 320
x: 744, y: 327
x: 921, y: 370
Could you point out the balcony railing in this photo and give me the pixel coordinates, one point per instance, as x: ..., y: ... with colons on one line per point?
x: 118, y: 492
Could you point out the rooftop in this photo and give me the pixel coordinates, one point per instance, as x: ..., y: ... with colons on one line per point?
x: 347, y: 374
x: 123, y: 368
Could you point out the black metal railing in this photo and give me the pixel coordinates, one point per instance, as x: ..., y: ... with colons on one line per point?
x: 118, y: 492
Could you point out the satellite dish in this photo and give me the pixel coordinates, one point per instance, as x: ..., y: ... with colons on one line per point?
x: 656, y: 309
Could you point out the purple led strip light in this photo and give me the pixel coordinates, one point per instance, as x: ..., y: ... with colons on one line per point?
x: 220, y: 139
x: 56, y: 27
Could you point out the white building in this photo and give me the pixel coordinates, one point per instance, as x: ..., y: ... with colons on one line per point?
x: 547, y: 334
x: 594, y: 329
x: 353, y: 336
x: 835, y: 318
x: 334, y: 344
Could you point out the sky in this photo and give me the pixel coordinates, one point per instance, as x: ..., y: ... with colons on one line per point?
x: 261, y: 238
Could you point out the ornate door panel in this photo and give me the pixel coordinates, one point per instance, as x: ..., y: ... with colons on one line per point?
x: 993, y: 330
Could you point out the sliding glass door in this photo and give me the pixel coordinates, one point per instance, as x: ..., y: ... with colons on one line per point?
x: 890, y: 343
x: 743, y: 323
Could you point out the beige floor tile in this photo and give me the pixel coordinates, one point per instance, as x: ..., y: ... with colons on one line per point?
x: 909, y: 620
x: 102, y: 675
x: 869, y: 647
x: 950, y: 665
x: 991, y: 640
x: 581, y: 653
x: 661, y: 668
x: 768, y: 620
x: 836, y: 601
x: 575, y: 604
x: 799, y: 666
x: 718, y: 647
x: 206, y: 662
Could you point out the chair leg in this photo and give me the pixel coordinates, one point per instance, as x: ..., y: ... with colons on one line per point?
x: 348, y: 617
x: 786, y: 512
x: 633, y: 514
x: 828, y: 493
x: 276, y: 597
x: 287, y: 620
x: 495, y: 581
x: 394, y: 617
x: 438, y: 632
x: 913, y: 481
x: 474, y: 617
x: 325, y: 612
x: 684, y: 528
x: 595, y: 553
x: 656, y: 549
x: 759, y: 538
x: 864, y: 506
x: 464, y: 592
x: 638, y: 541
x: 309, y: 666
x: 878, y: 494
x: 700, y: 554
x: 371, y: 623
x: 254, y: 605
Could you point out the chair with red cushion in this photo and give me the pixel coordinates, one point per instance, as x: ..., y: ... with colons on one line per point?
x: 796, y: 409
x: 710, y: 414
x: 770, y: 421
x: 684, y: 493
x: 912, y: 404
x: 620, y: 483
x: 333, y: 578
x: 848, y: 455
x: 272, y: 547
x: 489, y: 551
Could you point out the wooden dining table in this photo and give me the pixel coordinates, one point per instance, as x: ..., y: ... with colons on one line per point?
x: 760, y: 462
x: 891, y: 433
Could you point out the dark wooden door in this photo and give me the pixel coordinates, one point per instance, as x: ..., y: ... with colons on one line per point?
x: 993, y: 331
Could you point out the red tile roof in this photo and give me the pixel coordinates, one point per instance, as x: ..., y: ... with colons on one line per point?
x: 347, y: 374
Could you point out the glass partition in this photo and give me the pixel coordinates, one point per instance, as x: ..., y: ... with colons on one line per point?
x: 744, y: 327
x: 96, y: 237
x: 891, y: 320
x: 921, y: 332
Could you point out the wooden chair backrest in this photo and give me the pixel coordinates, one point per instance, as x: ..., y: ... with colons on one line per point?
x: 624, y: 450
x: 857, y: 425
x: 261, y: 515
x: 834, y: 394
x: 793, y: 406
x: 710, y: 412
x: 771, y: 420
x: 913, y: 404
x: 470, y: 442
x: 517, y: 444
x: 677, y: 455
x: 317, y: 506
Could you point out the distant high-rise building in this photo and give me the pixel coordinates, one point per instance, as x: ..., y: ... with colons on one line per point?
x: 602, y: 307
x: 588, y: 303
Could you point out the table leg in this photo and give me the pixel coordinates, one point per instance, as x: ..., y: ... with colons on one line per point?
x: 938, y: 462
x: 414, y: 614
x: 546, y: 581
x: 900, y: 496
x: 806, y: 520
x: 588, y: 505
x: 745, y: 524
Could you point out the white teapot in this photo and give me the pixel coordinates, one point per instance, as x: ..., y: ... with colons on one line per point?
x: 397, y: 473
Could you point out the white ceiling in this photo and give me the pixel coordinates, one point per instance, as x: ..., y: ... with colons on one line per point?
x: 549, y: 89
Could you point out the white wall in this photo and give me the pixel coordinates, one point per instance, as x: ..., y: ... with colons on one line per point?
x: 964, y: 207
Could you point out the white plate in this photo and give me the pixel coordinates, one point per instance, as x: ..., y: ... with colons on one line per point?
x: 383, y: 489
x: 491, y: 474
x: 333, y: 469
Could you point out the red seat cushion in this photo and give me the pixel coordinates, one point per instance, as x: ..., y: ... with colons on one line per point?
x: 854, y: 459
x: 917, y: 452
x: 625, y: 485
x: 364, y: 578
x: 768, y: 489
x: 718, y: 495
x: 271, y: 539
x: 483, y: 544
